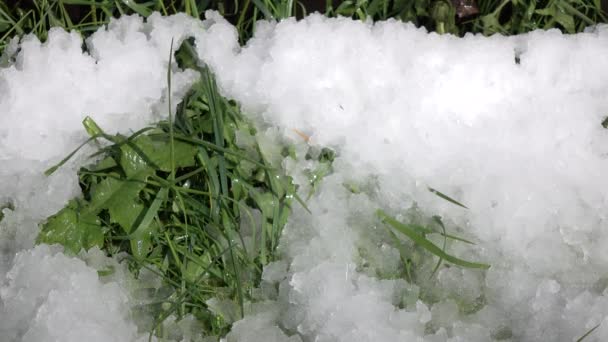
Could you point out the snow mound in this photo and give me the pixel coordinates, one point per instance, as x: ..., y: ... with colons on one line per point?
x: 45, y: 92
x: 509, y: 126
x: 51, y: 297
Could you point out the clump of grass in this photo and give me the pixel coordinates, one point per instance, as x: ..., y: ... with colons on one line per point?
x: 173, y: 197
x: 496, y: 16
x: 86, y: 16
x: 507, y: 17
x: 514, y: 17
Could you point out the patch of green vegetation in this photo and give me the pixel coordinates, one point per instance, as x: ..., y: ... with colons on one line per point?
x: 517, y: 16
x: 172, y: 197
x: 413, y: 226
x: 488, y: 17
x: 85, y: 16
x: 444, y: 16
x: 418, y: 234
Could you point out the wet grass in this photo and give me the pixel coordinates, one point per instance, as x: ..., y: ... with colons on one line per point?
x: 180, y: 199
x: 492, y: 16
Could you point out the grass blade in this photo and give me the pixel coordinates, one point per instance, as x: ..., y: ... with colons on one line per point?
x: 426, y: 244
x: 161, y: 196
x: 447, y: 198
x: 171, y: 133
x: 580, y: 339
x: 54, y: 168
x: 262, y: 7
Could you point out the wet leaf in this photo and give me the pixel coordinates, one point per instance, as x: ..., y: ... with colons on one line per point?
x: 72, y: 230
x: 146, y: 153
x: 113, y: 194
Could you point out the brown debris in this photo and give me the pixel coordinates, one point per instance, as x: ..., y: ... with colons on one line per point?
x: 302, y: 135
x: 465, y: 8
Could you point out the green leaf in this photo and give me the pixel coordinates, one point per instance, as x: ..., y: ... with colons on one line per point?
x: 530, y: 10
x: 490, y: 24
x: 421, y: 241
x: 126, y: 214
x: 139, y: 9
x: 262, y: 7
x: 550, y: 11
x: 266, y: 201
x: 316, y: 177
x: 102, y: 165
x: 72, y: 230
x: 113, y: 194
x: 346, y: 8
x: 141, y: 243
x: 109, y: 270
x: 421, y: 7
x: 91, y: 127
x: 374, y: 7
x: 564, y: 19
x: 193, y: 271
x: 143, y: 228
x: 146, y: 152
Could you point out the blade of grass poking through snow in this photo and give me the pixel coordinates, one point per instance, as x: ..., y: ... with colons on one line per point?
x: 447, y: 198
x: 421, y: 241
x: 403, y: 255
x: 172, y: 158
x: 54, y: 168
x: 264, y: 9
x: 216, y: 109
x: 438, y: 220
x: 445, y: 240
x: 580, y: 339
x: 172, y: 198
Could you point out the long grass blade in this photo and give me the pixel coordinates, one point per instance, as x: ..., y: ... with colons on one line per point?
x: 580, y: 339
x: 447, y: 198
x: 421, y: 241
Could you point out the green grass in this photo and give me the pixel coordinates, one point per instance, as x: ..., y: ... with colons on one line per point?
x: 504, y: 16
x: 172, y: 197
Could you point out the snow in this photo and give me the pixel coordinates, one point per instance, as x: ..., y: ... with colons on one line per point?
x: 520, y: 143
x: 44, y: 96
x: 47, y: 292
